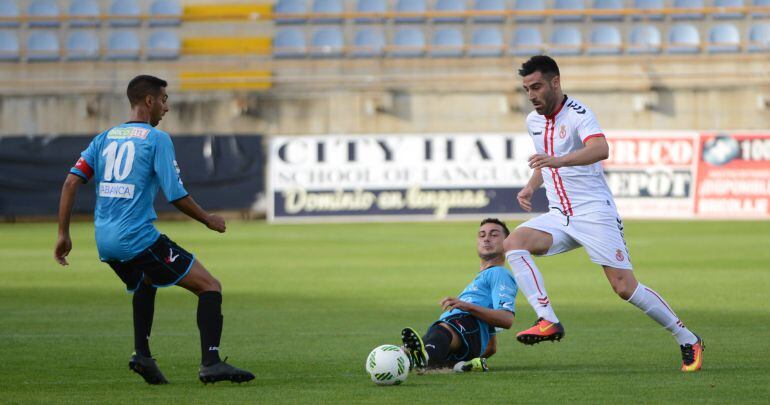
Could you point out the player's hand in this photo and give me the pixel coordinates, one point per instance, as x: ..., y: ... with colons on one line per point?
x: 62, y: 249
x: 525, y: 198
x: 540, y: 161
x: 216, y: 223
x: 450, y: 303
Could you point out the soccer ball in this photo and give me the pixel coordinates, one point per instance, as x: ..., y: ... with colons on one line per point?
x: 387, y: 365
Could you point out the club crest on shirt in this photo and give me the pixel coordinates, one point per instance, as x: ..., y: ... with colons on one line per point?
x: 562, y: 131
x: 619, y: 255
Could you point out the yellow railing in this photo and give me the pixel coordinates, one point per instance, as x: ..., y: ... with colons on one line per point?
x: 226, y: 80
x: 226, y: 46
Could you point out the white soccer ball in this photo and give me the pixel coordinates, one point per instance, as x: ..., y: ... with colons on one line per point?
x: 388, y: 365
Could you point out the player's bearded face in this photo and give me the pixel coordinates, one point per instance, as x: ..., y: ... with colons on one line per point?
x: 489, y: 241
x: 541, y: 92
x: 158, y: 108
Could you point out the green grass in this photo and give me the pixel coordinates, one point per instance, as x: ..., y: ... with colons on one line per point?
x: 304, y: 305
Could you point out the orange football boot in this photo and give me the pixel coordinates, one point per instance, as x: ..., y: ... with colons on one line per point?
x: 692, y: 355
x: 542, y: 330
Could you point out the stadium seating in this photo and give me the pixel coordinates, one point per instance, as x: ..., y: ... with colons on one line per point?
x: 410, y: 6
x: 327, y: 42
x: 526, y: 41
x: 456, y: 6
x: 321, y: 9
x: 687, y: 4
x: 529, y: 5
x: 564, y: 5
x: 9, y: 9
x: 82, y: 45
x: 163, y: 45
x: 289, y: 7
x: 759, y: 38
x: 605, y: 40
x: 731, y: 14
x: 644, y: 39
x: 84, y: 13
x: 370, y: 6
x: 9, y: 46
x: 289, y: 43
x: 565, y: 40
x: 608, y: 6
x: 125, y: 8
x: 683, y: 38
x: 368, y: 42
x: 123, y: 45
x: 489, y: 5
x: 408, y: 42
x: 724, y: 38
x: 648, y: 6
x: 169, y: 11
x: 486, y: 42
x: 761, y: 14
x: 46, y: 9
x: 447, y: 42
x: 43, y: 46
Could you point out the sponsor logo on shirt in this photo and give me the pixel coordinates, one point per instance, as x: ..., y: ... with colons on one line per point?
x: 128, y: 132
x: 116, y: 190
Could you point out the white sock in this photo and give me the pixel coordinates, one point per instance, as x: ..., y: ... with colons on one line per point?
x: 656, y: 308
x: 530, y: 282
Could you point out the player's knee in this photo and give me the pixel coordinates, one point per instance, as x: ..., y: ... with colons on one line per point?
x: 622, y: 289
x: 215, y: 285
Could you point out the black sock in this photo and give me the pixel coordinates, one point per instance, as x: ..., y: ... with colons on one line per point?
x: 144, y: 309
x: 437, y: 342
x: 210, y: 325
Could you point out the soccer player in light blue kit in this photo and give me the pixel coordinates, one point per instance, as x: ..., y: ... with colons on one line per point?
x: 130, y: 162
x: 464, y: 336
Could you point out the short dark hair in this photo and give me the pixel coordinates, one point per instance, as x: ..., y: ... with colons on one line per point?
x: 540, y: 63
x: 144, y: 85
x: 498, y: 222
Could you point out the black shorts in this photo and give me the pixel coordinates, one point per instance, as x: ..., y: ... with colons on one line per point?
x: 164, y: 262
x: 468, y: 327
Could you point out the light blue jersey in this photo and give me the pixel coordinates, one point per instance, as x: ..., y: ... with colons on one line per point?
x: 129, y: 162
x: 493, y: 288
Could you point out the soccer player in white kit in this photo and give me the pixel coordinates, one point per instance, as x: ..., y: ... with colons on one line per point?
x: 569, y: 145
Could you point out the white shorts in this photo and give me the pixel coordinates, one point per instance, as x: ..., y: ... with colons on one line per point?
x: 599, y: 232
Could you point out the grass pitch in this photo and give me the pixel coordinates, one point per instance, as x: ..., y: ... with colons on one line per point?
x: 304, y: 305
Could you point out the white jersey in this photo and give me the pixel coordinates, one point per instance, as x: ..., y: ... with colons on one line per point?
x: 574, y: 190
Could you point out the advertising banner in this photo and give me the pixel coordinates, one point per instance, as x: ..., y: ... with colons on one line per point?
x: 398, y: 177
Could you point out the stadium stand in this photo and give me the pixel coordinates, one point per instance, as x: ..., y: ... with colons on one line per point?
x: 526, y: 10
x: 411, y: 7
x: 724, y: 38
x: 290, y: 11
x: 43, y: 46
x: 605, y: 40
x: 683, y: 38
x: 368, y: 42
x: 127, y: 10
x: 408, y: 42
x: 84, y: 13
x: 761, y: 14
x: 447, y: 42
x: 324, y: 9
x: 565, y: 41
x: 9, y: 11
x: 484, y: 6
x: 371, y: 7
x: 449, y: 7
x: 165, y: 13
x: 649, y: 9
x: 610, y: 10
x: 526, y: 41
x: 44, y: 12
x: 123, y: 45
x: 687, y: 5
x: 486, y: 42
x: 9, y: 46
x: 759, y: 38
x: 573, y: 7
x: 327, y: 42
x: 82, y: 45
x: 644, y: 39
x: 163, y: 45
x: 723, y: 4
x: 289, y: 42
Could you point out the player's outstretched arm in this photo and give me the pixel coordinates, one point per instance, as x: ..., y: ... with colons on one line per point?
x: 498, y: 318
x: 63, y: 243
x: 595, y: 150
x: 188, y: 206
